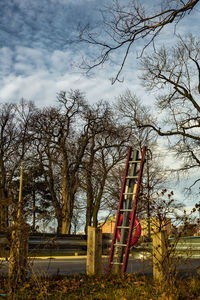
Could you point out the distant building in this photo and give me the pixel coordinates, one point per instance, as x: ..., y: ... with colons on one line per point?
x: 155, y: 225
x: 198, y: 226
x: 108, y: 226
x: 82, y: 232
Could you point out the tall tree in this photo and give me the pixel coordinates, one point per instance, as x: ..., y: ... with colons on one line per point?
x: 132, y: 112
x: 175, y: 73
x: 63, y: 138
x: 104, y: 151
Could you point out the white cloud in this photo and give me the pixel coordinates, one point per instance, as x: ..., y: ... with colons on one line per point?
x: 39, y: 74
x: 6, y: 55
x: 42, y: 87
x: 36, y: 50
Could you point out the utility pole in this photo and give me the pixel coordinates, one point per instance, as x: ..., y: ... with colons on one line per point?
x: 19, y: 210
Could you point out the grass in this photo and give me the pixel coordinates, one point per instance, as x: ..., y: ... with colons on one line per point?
x: 108, y: 287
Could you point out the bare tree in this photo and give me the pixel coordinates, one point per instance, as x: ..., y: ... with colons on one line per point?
x: 104, y: 151
x: 62, y: 139
x: 45, y: 126
x: 175, y: 73
x: 155, y: 178
x: 126, y: 23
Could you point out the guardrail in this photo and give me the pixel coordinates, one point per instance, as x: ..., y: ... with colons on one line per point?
x: 187, y: 246
x: 183, y: 247
x: 52, y: 244
x: 56, y: 244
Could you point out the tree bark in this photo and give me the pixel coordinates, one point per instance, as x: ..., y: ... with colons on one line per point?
x: 3, y: 210
x: 88, y: 213
x: 67, y: 212
x: 69, y: 187
x: 89, y: 192
x: 3, y: 197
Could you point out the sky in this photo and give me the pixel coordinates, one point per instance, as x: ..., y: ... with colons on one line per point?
x: 39, y: 56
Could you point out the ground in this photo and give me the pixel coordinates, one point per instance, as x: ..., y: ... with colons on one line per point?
x: 113, y: 287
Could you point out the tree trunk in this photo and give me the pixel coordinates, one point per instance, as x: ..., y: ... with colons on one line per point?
x: 59, y: 222
x: 95, y: 219
x: 34, y: 212
x: 67, y: 211
x: 97, y: 202
x: 55, y: 200
x: 3, y: 197
x: 88, y: 214
x: 89, y: 208
x: 3, y: 210
x: 69, y: 188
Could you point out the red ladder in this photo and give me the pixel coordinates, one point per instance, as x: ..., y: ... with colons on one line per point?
x: 127, y: 205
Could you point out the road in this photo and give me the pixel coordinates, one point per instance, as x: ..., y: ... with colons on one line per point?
x: 76, y: 265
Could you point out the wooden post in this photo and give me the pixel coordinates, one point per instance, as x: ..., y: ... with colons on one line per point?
x: 160, y: 255
x: 94, y: 251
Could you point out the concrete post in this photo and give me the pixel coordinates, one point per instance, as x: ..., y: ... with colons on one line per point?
x: 94, y: 251
x: 18, y: 255
x: 160, y: 255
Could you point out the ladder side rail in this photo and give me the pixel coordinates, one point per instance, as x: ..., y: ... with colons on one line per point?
x: 118, y: 210
x: 132, y: 221
x: 130, y: 187
x: 127, y: 204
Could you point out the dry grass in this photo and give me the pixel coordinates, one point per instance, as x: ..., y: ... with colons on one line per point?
x: 110, y: 287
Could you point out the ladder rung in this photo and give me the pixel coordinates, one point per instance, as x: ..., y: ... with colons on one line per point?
x: 134, y: 161
x: 128, y: 193
x: 126, y: 209
x: 116, y: 263
x: 123, y: 227
x: 120, y: 245
x: 131, y: 177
